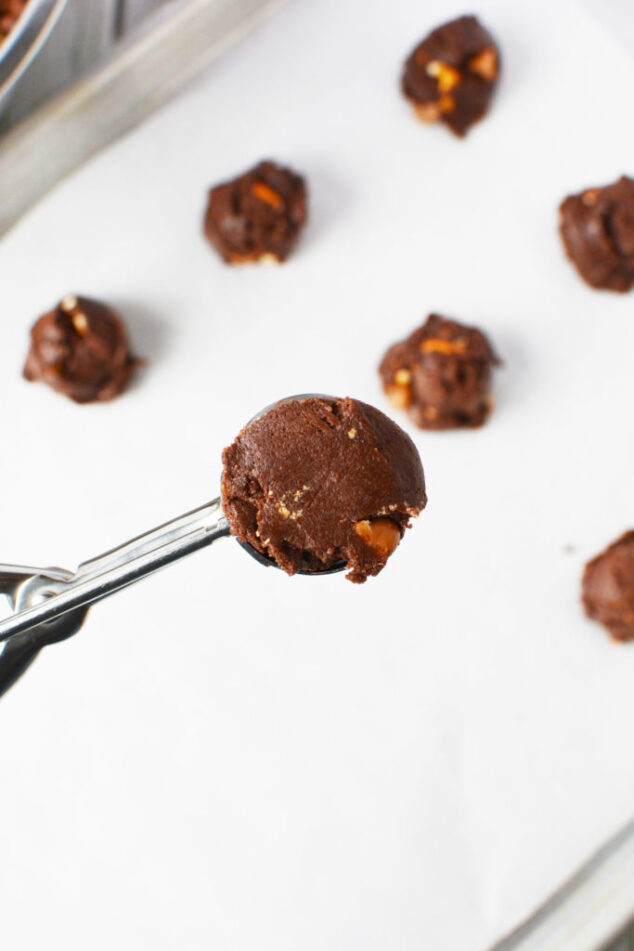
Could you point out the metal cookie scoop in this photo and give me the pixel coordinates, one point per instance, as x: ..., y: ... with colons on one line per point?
x: 50, y: 604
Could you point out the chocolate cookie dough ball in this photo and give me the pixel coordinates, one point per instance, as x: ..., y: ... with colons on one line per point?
x: 258, y: 215
x: 608, y: 588
x: 597, y: 229
x: 452, y: 74
x: 81, y: 350
x: 318, y: 481
x: 441, y: 374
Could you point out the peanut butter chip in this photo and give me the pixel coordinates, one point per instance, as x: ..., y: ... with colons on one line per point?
x: 380, y: 534
x: 268, y: 195
x: 447, y: 103
x: 403, y: 377
x: 485, y: 64
x: 80, y: 322
x: 399, y: 396
x: 427, y: 111
x: 436, y: 345
x: 446, y: 76
x: 69, y: 303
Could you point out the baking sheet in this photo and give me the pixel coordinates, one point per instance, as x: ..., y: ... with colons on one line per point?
x: 227, y: 757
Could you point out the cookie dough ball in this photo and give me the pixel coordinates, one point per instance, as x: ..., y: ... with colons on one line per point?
x: 597, y: 229
x: 452, y: 73
x: 318, y: 481
x: 258, y: 215
x: 441, y: 374
x: 81, y: 350
x: 10, y: 12
x: 608, y: 588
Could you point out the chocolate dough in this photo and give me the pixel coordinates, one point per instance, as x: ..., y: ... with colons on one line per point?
x: 452, y: 73
x: 608, y: 588
x: 597, y: 229
x: 318, y: 481
x: 257, y: 215
x: 441, y: 374
x: 81, y: 350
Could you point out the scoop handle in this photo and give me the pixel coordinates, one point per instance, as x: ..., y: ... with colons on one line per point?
x: 15, y: 656
x: 120, y: 567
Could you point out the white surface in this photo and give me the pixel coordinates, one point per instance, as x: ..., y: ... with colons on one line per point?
x: 617, y: 17
x: 225, y: 757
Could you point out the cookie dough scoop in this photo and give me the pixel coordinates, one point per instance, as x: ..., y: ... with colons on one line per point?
x: 313, y: 485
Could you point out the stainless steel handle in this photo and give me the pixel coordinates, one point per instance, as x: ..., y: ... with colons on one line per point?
x: 116, y: 569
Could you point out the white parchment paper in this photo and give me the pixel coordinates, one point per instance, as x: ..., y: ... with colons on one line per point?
x: 228, y: 758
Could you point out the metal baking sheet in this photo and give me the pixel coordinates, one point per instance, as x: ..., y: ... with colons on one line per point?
x: 409, y: 765
x: 144, y: 70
